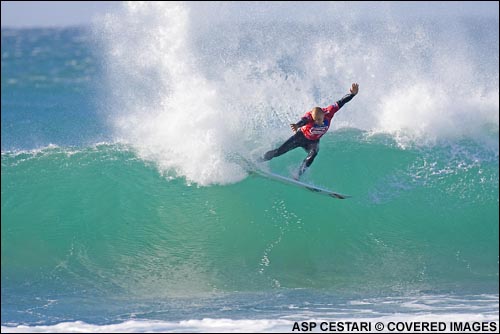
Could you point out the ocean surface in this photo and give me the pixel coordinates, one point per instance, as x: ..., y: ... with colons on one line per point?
x: 126, y: 206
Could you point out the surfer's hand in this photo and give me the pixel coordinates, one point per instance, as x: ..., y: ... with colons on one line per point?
x: 354, y: 88
x: 294, y: 127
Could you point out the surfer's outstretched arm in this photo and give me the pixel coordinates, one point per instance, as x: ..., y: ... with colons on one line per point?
x: 303, y: 121
x: 346, y: 98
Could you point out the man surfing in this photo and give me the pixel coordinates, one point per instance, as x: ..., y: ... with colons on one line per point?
x: 313, y: 125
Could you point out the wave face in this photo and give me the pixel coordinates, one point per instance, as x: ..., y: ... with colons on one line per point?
x: 103, y: 219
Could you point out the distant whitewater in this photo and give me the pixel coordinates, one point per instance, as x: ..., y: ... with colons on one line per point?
x: 124, y: 206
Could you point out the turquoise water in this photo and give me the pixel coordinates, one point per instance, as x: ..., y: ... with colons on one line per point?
x: 122, y: 198
x: 103, y: 210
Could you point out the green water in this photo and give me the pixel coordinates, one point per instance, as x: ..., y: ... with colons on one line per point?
x: 101, y: 219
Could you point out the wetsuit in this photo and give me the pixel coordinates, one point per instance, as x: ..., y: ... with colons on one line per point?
x: 309, y: 134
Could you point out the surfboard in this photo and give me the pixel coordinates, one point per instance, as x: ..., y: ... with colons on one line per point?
x: 280, y: 178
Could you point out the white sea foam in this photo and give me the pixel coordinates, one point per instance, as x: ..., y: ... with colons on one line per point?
x: 470, y: 309
x: 209, y: 325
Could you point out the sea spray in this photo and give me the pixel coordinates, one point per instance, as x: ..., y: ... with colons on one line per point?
x: 192, y: 91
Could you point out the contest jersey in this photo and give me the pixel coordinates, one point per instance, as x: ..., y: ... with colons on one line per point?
x: 313, y: 131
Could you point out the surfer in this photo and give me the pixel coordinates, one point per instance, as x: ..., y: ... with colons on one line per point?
x: 309, y: 129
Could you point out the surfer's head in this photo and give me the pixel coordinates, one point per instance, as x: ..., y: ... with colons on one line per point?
x: 318, y: 115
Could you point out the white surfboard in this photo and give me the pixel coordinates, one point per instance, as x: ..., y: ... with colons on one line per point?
x: 273, y: 176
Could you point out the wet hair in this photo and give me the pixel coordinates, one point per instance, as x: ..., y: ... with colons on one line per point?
x: 317, y: 111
